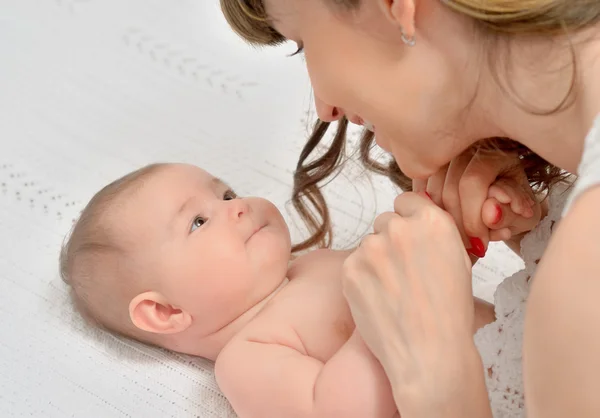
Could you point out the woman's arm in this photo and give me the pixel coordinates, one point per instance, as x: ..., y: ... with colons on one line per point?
x: 562, y: 325
x: 469, y: 399
x: 408, y: 286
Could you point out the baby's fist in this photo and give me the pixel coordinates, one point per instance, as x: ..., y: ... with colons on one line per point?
x: 510, y: 211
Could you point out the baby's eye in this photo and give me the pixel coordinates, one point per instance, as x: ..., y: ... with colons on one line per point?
x: 229, y: 195
x: 198, y: 222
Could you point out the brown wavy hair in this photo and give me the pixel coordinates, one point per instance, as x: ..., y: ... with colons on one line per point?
x: 495, y: 19
x: 311, y: 174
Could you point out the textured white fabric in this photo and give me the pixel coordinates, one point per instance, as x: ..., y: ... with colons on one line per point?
x: 91, y: 89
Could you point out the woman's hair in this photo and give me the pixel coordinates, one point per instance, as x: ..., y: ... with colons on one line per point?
x: 309, y: 176
x: 495, y: 19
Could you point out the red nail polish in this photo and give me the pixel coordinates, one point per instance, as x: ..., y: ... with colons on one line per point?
x: 477, y: 247
x: 498, y: 217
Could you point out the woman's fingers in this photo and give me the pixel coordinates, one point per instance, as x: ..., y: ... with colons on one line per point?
x: 408, y: 204
x: 503, y: 222
x: 484, y: 207
x: 497, y: 216
x: 419, y: 185
x: 451, y: 196
x: 382, y: 221
x: 510, y: 192
x: 479, y: 175
x: 503, y: 234
x: 435, y: 187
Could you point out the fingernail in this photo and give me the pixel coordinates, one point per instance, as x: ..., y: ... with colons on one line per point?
x: 477, y: 247
x: 498, y: 217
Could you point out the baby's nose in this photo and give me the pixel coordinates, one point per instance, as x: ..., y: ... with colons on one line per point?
x: 237, y: 208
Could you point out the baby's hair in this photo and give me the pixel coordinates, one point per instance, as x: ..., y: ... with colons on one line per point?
x: 94, y: 261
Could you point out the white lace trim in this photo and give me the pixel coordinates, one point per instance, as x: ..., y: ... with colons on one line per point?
x: 500, y: 342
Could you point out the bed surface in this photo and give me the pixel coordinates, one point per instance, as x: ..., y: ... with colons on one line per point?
x: 90, y: 90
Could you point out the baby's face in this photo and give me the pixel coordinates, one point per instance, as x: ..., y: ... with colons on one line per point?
x: 209, y: 252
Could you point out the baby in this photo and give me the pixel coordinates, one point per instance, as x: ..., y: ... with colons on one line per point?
x: 170, y: 256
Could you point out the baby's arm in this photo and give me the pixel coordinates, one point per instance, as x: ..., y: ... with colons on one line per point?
x: 269, y: 380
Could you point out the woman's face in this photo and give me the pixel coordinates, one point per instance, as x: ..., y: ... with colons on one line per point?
x: 417, y: 98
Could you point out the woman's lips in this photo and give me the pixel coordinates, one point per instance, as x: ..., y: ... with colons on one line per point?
x: 357, y: 120
x: 369, y: 126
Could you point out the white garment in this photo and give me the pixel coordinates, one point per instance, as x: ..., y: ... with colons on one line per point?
x: 500, y: 343
x: 589, y: 167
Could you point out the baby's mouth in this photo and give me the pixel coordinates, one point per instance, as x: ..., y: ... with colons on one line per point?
x: 255, y: 231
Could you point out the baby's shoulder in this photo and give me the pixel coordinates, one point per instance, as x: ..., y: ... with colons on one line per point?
x: 318, y: 262
x: 273, y: 327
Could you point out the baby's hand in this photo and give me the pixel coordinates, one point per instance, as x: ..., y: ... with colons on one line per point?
x: 509, y: 211
x: 475, y: 188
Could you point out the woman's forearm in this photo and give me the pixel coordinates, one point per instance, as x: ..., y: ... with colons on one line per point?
x: 462, y: 395
x: 561, y: 340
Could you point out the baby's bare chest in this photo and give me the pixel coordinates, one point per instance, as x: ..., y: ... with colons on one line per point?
x: 310, y: 314
x: 321, y: 317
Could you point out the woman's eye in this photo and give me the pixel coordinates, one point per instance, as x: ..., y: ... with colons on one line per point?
x: 198, y: 222
x: 229, y: 195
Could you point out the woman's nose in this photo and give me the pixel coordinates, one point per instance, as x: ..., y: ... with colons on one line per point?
x: 327, y: 113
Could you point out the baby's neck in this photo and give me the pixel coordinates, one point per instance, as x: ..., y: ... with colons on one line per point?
x: 214, y: 343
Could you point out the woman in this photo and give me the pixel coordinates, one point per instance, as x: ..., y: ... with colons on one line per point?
x: 433, y: 78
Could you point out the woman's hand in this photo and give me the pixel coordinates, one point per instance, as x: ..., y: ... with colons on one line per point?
x: 408, y: 286
x: 487, y: 194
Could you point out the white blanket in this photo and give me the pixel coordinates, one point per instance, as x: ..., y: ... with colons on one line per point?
x: 91, y: 89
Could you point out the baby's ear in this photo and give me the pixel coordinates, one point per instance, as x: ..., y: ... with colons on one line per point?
x: 150, y: 311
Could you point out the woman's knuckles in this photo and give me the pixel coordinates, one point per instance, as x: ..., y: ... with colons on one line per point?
x: 434, y: 220
x: 372, y: 248
x: 395, y: 227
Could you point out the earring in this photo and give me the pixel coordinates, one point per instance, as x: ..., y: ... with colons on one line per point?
x: 408, y: 40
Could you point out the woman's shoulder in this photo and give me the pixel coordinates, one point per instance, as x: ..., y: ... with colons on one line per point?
x: 588, y: 171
